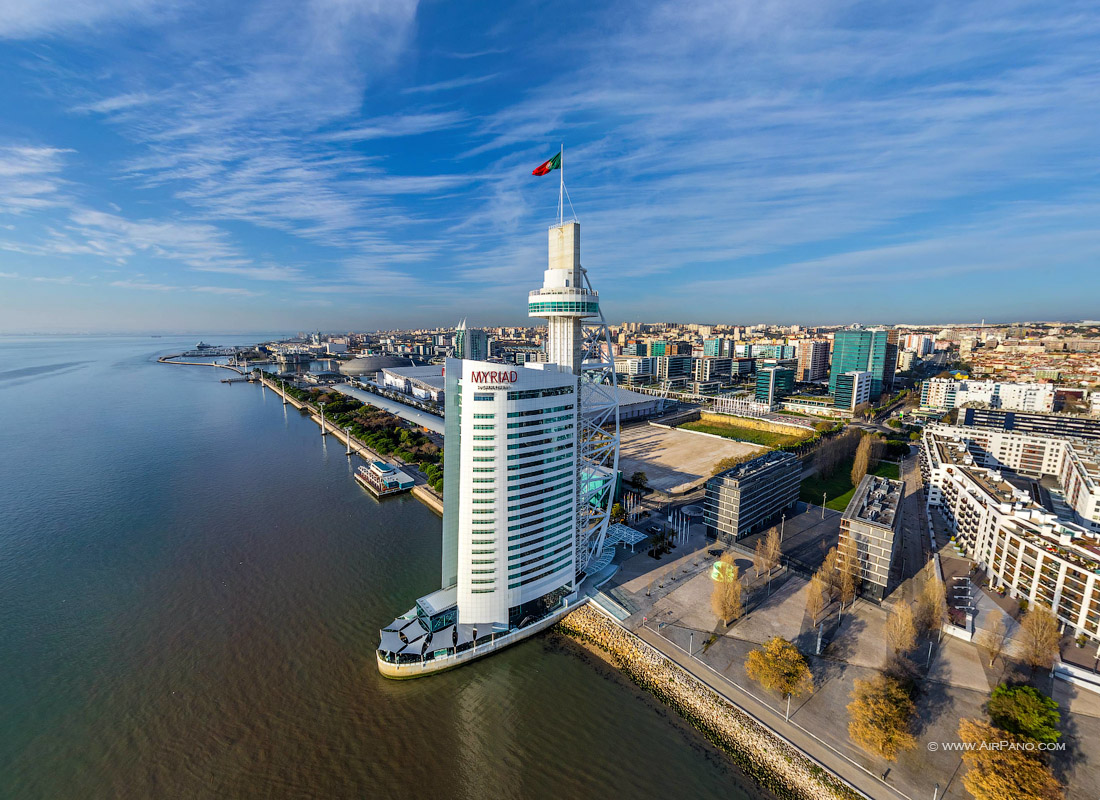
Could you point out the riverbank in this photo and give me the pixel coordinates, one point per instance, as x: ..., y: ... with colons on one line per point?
x: 758, y: 751
x: 421, y: 491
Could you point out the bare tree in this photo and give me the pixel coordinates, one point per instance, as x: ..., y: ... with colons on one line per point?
x: 862, y: 461
x: 1040, y: 637
x: 759, y: 558
x: 772, y: 551
x: 994, y: 638
x: 932, y: 607
x: 830, y: 573
x: 901, y: 632
x: 815, y: 597
x: 725, y: 598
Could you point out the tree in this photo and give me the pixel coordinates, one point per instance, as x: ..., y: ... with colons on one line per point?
x: 994, y: 637
x: 847, y: 564
x: 901, y: 632
x: 772, y: 551
x: 778, y: 666
x: 863, y: 460
x: 995, y: 772
x: 640, y: 479
x: 879, y: 717
x: 815, y: 596
x: 759, y: 558
x: 1040, y: 638
x: 617, y: 512
x: 932, y: 607
x: 725, y: 598
x: 830, y: 572
x: 1025, y: 712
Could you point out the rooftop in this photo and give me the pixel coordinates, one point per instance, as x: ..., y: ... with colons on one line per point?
x: 875, y: 501
x: 757, y: 465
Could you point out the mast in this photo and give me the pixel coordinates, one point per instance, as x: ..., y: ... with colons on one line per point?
x: 561, y: 185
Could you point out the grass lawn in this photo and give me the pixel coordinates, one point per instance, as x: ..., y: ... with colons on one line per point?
x: 838, y: 486
x: 743, y: 434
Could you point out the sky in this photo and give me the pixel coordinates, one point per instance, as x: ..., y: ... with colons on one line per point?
x: 179, y: 165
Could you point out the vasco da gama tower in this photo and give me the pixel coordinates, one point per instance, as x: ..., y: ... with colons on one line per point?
x: 530, y: 459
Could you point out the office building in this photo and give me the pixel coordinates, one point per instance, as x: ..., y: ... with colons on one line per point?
x: 636, y: 370
x: 635, y: 349
x: 813, y: 360
x: 872, y: 521
x: 526, y: 496
x: 718, y: 347
x: 861, y: 350
x: 711, y: 368
x: 471, y: 343
x: 943, y: 394
x: 672, y: 368
x: 1021, y: 528
x: 773, y: 384
x: 852, y: 390
x: 751, y: 496
x: 659, y: 347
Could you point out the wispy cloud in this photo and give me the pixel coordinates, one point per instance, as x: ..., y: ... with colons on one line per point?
x: 30, y: 178
x: 453, y: 83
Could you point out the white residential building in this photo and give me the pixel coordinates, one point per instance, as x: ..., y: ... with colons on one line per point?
x: 944, y: 394
x: 1027, y: 510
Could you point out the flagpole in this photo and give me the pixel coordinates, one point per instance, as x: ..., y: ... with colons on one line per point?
x: 561, y: 186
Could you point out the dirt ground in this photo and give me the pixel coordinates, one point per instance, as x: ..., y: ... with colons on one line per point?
x: 675, y: 460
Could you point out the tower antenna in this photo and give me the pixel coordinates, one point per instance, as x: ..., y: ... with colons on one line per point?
x: 561, y: 186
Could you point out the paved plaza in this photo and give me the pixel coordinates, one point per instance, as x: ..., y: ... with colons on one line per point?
x: 667, y: 602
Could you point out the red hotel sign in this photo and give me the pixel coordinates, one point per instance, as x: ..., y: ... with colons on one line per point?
x: 494, y: 376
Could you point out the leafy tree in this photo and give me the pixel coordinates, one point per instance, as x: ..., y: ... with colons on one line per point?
x: 993, y: 638
x: 617, y: 512
x: 1040, y: 637
x: 879, y: 717
x: 759, y: 558
x: 640, y: 479
x: 1025, y: 712
x: 725, y: 598
x: 901, y: 631
x: 996, y: 773
x: 777, y: 665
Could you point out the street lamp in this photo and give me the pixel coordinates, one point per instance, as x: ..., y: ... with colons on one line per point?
x: 823, y: 496
x: 782, y: 525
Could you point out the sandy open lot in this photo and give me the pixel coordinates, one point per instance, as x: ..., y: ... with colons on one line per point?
x: 672, y: 459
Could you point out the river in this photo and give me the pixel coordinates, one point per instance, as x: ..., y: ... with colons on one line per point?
x: 191, y: 586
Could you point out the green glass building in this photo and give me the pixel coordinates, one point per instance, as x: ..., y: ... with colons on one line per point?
x: 874, y: 351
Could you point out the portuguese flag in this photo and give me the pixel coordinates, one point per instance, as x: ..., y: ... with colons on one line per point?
x: 544, y: 168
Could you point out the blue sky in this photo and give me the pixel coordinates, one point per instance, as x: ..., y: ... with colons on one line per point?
x: 299, y: 164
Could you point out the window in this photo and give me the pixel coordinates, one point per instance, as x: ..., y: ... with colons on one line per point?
x: 531, y: 394
x: 483, y: 397
x: 534, y: 411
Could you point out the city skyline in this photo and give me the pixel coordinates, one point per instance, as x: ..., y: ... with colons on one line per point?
x: 171, y: 167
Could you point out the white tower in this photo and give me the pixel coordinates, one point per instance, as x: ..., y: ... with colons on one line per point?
x: 578, y: 340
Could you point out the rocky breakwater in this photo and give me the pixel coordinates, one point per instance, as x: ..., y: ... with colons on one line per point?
x: 759, y: 752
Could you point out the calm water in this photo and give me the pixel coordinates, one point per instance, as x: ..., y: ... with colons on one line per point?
x: 191, y: 587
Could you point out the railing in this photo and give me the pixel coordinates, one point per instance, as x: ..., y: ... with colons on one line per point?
x: 578, y: 290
